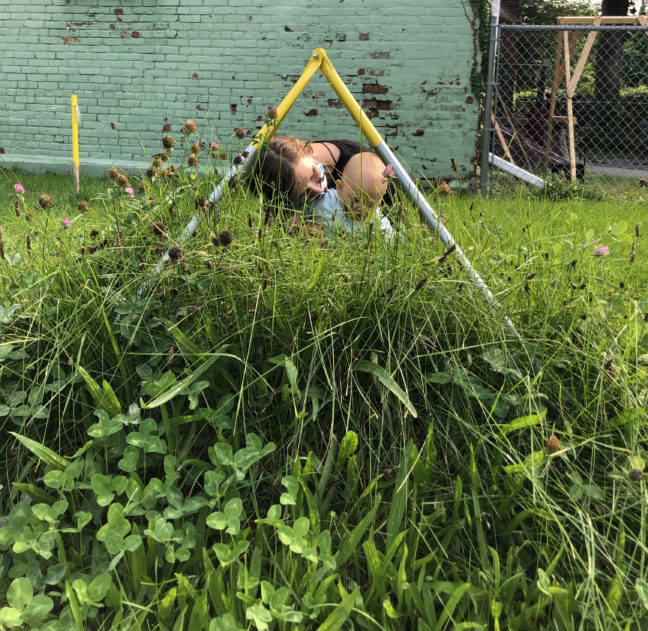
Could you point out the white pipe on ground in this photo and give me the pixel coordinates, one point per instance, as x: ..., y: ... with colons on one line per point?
x: 517, y: 172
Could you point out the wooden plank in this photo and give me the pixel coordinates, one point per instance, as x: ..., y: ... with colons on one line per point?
x: 570, y: 111
x: 643, y: 21
x: 557, y: 80
x: 605, y: 20
x: 500, y: 136
x: 517, y: 135
x: 563, y: 119
x: 578, y: 70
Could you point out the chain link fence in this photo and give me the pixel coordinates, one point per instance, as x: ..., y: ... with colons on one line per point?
x: 570, y: 101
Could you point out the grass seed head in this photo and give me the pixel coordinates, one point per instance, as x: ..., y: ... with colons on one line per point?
x: 192, y: 160
x: 239, y: 132
x: 444, y: 189
x: 225, y: 238
x: 112, y: 173
x: 83, y: 206
x: 159, y: 229
x: 168, y: 142
x: 175, y: 253
x: 190, y: 127
x: 636, y: 475
x: 45, y: 200
x: 17, y: 208
x: 552, y: 445
x: 122, y: 180
x: 195, y: 148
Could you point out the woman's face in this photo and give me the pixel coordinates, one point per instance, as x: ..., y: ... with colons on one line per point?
x: 308, y: 180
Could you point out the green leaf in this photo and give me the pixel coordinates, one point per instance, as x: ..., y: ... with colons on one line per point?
x: 387, y: 380
x: 348, y: 447
x: 642, y: 591
x: 216, y: 520
x: 226, y: 622
x: 38, y: 608
x: 44, y: 453
x: 103, y: 488
x: 10, y: 617
x: 106, y: 426
x: 351, y: 542
x: 99, y: 587
x: 103, y: 399
x: 289, y: 498
x: 55, y: 574
x: 439, y: 377
x: 20, y: 592
x: 522, y: 422
x: 338, y: 616
x: 186, y: 382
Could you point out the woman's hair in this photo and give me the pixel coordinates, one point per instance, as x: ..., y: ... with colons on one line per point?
x: 274, y: 168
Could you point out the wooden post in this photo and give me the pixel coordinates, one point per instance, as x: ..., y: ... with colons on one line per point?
x: 562, y: 68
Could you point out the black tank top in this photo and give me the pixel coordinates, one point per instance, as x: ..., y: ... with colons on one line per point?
x: 348, y: 148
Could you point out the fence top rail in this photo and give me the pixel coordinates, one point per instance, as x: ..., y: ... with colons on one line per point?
x: 571, y: 27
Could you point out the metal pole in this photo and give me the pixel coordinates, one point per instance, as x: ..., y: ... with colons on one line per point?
x: 75, y: 141
x: 247, y: 157
x: 410, y: 188
x: 487, y: 128
x: 516, y: 171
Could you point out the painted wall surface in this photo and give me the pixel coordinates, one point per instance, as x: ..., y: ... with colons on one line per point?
x: 140, y: 68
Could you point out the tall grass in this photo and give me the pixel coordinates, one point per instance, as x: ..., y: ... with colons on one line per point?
x: 284, y: 431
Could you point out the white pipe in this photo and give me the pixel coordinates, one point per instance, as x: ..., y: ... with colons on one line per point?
x: 517, y: 172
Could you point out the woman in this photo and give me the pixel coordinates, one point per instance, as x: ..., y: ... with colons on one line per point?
x: 293, y: 167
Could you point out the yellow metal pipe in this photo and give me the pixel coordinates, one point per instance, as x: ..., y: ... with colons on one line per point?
x: 352, y: 106
x: 268, y: 130
x: 75, y: 141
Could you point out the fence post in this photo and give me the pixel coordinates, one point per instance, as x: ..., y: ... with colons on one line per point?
x: 487, y: 127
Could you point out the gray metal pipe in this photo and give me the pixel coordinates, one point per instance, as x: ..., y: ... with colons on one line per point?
x: 413, y: 192
x: 487, y: 127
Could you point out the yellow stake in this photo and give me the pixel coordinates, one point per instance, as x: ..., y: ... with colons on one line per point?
x: 75, y: 141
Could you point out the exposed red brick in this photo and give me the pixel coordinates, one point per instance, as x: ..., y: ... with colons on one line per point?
x: 250, y: 18
x: 118, y: 11
x: 418, y: 132
x: 166, y: 127
x: 259, y: 118
x: 135, y: 34
x: 70, y: 40
x: 112, y: 125
x: 112, y: 27
x: 194, y: 75
x: 288, y: 29
x: 2, y: 150
x: 311, y: 112
x: 363, y: 37
x: 233, y: 108
x: 361, y: 71
x: 81, y: 23
x: 374, y: 88
x: 469, y: 100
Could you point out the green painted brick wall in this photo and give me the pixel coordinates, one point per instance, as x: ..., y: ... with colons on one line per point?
x: 143, y: 66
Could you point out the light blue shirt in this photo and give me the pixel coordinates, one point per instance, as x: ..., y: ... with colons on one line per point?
x: 327, y: 210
